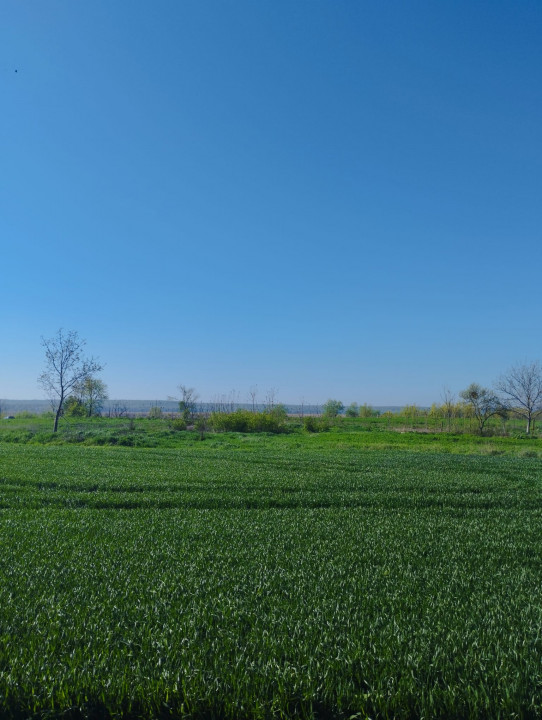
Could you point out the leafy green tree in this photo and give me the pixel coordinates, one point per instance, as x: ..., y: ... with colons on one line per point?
x: 366, y: 411
x: 412, y: 411
x: 435, y: 411
x: 352, y: 410
x: 332, y: 408
x: 92, y: 393
x: 483, y: 403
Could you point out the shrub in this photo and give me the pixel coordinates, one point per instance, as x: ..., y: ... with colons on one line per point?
x: 201, y: 426
x: 178, y: 424
x: 310, y: 423
x: 73, y: 407
x: 244, y: 421
x: 17, y: 436
x: 279, y: 412
x: 314, y: 424
x: 237, y: 421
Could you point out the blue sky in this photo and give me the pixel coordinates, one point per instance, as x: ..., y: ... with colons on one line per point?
x: 332, y: 199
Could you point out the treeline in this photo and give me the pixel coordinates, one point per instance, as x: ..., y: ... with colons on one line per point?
x: 70, y: 382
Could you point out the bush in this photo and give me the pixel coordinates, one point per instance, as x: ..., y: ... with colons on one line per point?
x: 178, y: 424
x: 17, y: 436
x: 73, y: 407
x: 314, y: 424
x: 201, y: 426
x: 310, y: 423
x: 246, y: 422
x: 237, y: 421
x: 279, y: 412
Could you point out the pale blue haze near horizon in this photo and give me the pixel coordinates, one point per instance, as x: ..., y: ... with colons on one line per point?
x: 333, y: 199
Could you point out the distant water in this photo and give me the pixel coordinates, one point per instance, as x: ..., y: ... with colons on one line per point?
x: 116, y: 407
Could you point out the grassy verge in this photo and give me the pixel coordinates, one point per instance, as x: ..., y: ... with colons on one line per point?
x: 344, y: 434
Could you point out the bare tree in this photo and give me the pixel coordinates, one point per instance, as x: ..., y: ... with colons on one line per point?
x: 521, y: 391
x: 271, y: 399
x: 65, y: 368
x: 253, y: 392
x: 119, y: 410
x: 483, y: 402
x: 231, y: 401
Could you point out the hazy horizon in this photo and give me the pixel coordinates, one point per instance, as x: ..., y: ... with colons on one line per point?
x: 169, y: 405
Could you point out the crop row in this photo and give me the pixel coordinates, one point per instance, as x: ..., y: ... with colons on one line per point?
x: 129, y: 478
x: 254, y: 614
x: 391, y: 585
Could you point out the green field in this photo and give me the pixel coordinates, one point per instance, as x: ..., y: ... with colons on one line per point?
x: 338, y: 575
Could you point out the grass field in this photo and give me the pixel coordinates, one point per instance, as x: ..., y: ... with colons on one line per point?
x: 345, y: 574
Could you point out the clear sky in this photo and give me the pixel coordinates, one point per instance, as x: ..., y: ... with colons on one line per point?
x: 336, y: 198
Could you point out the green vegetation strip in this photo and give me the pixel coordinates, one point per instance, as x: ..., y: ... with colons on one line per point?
x: 268, y: 580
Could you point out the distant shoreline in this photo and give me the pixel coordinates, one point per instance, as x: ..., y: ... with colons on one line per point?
x: 8, y: 406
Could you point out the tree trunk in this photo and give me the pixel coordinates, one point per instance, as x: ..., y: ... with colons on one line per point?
x: 58, y: 412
